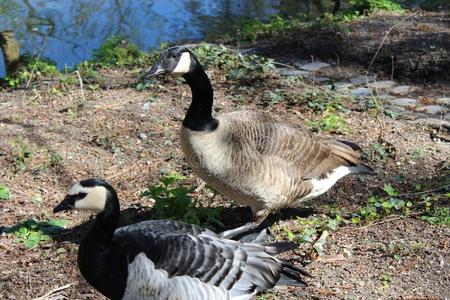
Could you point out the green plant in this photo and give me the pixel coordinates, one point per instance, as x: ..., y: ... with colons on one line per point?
x: 367, y: 6
x: 30, y: 233
x: 239, y: 67
x: 254, y: 29
x: 20, y: 154
x: 379, y: 150
x: 173, y: 201
x: 117, y: 51
x: 38, y: 67
x: 386, y: 280
x: 5, y: 194
x: 329, y: 123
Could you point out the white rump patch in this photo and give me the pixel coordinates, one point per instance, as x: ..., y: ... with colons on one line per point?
x: 322, y: 185
x: 183, y: 64
x: 95, y: 198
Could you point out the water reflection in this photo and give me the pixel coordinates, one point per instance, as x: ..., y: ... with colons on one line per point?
x: 76, y: 27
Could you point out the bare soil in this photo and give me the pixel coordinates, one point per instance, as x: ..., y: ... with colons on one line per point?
x: 413, y: 46
x: 99, y: 133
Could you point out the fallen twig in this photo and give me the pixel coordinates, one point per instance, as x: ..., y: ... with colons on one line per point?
x: 81, y: 85
x: 44, y: 42
x: 58, y: 289
x: 424, y: 192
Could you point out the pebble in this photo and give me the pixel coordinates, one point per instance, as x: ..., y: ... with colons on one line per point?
x: 403, y: 101
x: 291, y: 72
x: 403, y: 90
x: 430, y: 109
x: 361, y: 92
x: 146, y: 106
x: 382, y: 85
x: 314, y: 66
x: 143, y: 136
x: 362, y: 79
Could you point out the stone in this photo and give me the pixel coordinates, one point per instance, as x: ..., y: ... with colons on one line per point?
x: 430, y: 109
x: 146, y: 106
x: 447, y: 116
x: 362, y: 79
x: 385, y: 97
x: 445, y: 101
x: 403, y: 101
x: 343, y: 87
x: 403, y: 90
x: 361, y: 92
x: 142, y: 136
x: 291, y: 72
x: 382, y: 85
x: 314, y: 66
x: 318, y: 79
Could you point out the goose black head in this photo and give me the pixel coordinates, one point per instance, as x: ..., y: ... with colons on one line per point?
x: 90, y: 194
x: 175, y: 60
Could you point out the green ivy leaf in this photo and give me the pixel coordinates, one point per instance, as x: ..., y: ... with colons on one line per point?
x: 389, y: 190
x: 5, y: 194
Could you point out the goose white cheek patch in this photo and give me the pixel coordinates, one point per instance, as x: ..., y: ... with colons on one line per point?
x: 183, y: 64
x: 94, y: 200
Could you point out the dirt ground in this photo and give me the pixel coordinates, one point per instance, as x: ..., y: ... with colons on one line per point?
x: 114, y: 134
x: 414, y: 46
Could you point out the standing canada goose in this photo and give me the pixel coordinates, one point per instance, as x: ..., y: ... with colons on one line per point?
x: 252, y: 157
x: 165, y: 259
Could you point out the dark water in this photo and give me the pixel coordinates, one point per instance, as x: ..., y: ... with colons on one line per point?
x: 72, y: 29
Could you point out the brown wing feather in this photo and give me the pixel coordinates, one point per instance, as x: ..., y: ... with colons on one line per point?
x: 311, y: 155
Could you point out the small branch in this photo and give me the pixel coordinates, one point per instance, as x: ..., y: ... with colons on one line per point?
x: 46, y: 296
x: 44, y: 42
x: 284, y: 65
x: 81, y: 85
x: 386, y: 35
x: 424, y: 192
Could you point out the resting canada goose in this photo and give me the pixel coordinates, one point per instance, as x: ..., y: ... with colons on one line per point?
x: 252, y: 157
x: 165, y: 259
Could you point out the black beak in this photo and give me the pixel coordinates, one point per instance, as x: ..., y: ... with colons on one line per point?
x: 67, y: 204
x: 155, y: 70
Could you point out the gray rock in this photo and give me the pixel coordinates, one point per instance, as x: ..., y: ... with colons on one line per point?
x: 343, y: 87
x: 403, y: 101
x: 447, y: 116
x: 362, y: 79
x: 445, y: 101
x: 146, y: 106
x: 291, y: 72
x: 382, y: 85
x: 403, y: 90
x: 142, y: 136
x: 318, y: 79
x: 430, y: 109
x: 314, y: 66
x: 361, y: 92
x: 385, y: 97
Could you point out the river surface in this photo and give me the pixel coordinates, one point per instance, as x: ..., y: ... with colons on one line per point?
x: 68, y: 31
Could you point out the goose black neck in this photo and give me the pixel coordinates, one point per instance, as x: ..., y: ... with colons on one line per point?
x: 105, y: 223
x: 198, y: 116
